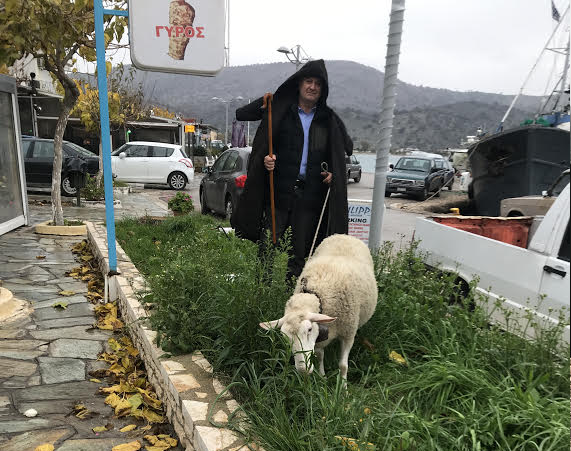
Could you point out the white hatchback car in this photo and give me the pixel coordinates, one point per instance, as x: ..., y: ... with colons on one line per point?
x: 151, y: 162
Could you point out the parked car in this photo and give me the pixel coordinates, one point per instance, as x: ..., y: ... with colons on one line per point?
x: 534, y: 205
x: 224, y: 182
x: 39, y: 162
x: 152, y: 162
x: 419, y: 176
x: 353, y: 168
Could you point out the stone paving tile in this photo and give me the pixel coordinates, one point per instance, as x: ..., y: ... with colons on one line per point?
x: 78, y: 299
x: 68, y: 390
x: 71, y: 311
x: 9, y: 367
x: 31, y: 440
x: 56, y: 370
x: 79, y: 332
x: 81, y: 349
x: 21, y: 344
x: 63, y: 322
x: 20, y: 355
x: 10, y: 427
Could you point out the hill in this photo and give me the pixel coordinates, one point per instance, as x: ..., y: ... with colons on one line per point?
x: 430, y: 117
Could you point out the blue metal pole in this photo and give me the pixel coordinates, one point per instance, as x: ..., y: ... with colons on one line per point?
x: 105, y: 131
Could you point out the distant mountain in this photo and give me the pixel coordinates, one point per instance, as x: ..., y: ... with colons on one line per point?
x: 429, y: 117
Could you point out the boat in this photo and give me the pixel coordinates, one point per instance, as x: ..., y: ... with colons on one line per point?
x: 523, y: 161
x: 518, y: 162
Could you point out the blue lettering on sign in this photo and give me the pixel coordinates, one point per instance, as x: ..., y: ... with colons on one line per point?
x: 359, y: 210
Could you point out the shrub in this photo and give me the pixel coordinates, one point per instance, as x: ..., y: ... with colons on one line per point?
x: 91, y: 191
x: 181, y: 202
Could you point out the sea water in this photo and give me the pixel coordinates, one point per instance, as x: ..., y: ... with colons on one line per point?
x: 368, y: 160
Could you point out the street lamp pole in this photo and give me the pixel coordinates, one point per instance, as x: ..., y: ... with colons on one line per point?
x: 296, y: 55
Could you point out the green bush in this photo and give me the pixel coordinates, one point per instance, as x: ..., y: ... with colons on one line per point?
x: 181, y: 202
x: 91, y: 191
x: 199, y: 151
x: 466, y: 385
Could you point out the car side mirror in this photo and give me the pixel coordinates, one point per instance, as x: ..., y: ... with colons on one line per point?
x: 122, y: 155
x: 391, y: 166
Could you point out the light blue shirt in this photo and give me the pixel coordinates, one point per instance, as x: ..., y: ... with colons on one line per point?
x: 306, y: 119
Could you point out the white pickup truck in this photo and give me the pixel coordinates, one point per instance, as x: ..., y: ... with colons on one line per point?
x: 526, y: 279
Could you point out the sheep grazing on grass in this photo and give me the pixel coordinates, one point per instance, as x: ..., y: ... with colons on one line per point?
x: 335, y: 294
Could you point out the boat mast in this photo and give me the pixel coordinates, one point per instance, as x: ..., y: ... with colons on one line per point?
x: 561, y: 20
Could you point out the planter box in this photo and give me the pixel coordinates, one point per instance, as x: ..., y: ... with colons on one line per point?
x: 44, y: 228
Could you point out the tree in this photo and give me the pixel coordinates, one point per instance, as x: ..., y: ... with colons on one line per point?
x: 126, y: 103
x: 55, y: 31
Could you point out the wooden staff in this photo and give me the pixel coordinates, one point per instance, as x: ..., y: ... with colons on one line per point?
x: 268, y: 102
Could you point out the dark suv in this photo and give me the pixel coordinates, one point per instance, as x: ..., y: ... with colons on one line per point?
x: 419, y: 176
x: 39, y: 162
x: 353, y: 168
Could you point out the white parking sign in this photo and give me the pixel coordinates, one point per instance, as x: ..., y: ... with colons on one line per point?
x: 360, y: 219
x: 184, y: 36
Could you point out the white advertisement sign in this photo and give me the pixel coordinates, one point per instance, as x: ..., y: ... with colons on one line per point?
x: 184, y: 36
x: 360, y: 219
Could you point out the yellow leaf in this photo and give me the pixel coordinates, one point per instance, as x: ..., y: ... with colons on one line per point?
x: 152, y: 417
x: 40, y: 257
x: 86, y: 258
x: 123, y: 408
x: 128, y: 428
x: 75, y: 275
x: 84, y: 269
x: 397, y: 358
x: 99, y: 429
x: 45, y: 447
x: 97, y: 381
x: 131, y: 446
x: 66, y: 293
x: 60, y: 305
x: 112, y: 400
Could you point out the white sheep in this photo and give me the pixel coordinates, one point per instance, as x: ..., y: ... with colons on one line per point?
x: 335, y: 294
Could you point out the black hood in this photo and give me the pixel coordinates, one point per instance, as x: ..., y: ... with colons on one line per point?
x: 290, y: 88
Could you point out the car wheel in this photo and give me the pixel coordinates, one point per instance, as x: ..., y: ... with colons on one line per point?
x: 358, y: 178
x: 424, y: 194
x: 177, y: 181
x: 229, y: 207
x: 437, y: 194
x: 66, y: 188
x: 203, y: 208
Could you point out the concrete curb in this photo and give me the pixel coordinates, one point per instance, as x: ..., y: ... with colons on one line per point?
x: 44, y: 228
x: 184, y: 383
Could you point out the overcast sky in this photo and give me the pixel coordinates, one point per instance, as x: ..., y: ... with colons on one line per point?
x: 483, y: 45
x: 464, y: 45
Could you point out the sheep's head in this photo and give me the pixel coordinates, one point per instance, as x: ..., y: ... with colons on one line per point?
x: 302, y: 330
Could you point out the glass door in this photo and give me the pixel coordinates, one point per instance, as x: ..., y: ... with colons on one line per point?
x: 13, y: 200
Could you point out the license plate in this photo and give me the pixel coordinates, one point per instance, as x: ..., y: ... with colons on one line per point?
x: 401, y: 189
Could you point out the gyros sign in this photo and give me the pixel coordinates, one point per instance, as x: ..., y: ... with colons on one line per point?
x: 185, y: 36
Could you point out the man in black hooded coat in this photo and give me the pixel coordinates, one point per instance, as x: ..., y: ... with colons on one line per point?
x: 300, y: 189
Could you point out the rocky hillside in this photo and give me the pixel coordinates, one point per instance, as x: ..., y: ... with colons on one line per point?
x: 426, y: 117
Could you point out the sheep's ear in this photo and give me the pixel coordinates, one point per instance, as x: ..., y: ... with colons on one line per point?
x: 271, y: 324
x: 320, y: 318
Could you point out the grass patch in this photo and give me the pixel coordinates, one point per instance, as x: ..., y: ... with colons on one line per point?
x: 465, y: 386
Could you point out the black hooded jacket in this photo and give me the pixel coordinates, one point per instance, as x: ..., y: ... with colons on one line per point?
x: 246, y: 219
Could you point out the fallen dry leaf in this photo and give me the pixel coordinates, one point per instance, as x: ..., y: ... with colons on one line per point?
x: 128, y: 428
x: 66, y: 293
x: 60, y: 305
x: 40, y: 257
x: 397, y: 358
x: 97, y: 429
x: 131, y: 446
x: 45, y: 447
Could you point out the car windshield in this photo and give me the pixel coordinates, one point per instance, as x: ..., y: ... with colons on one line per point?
x: 80, y: 150
x: 413, y: 164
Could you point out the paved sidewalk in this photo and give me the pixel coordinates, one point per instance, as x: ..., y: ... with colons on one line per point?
x: 47, y: 353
